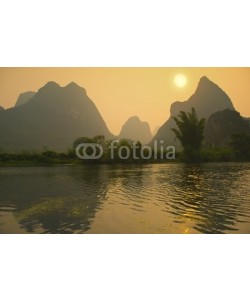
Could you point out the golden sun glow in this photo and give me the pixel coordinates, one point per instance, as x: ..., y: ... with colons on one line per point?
x: 180, y: 80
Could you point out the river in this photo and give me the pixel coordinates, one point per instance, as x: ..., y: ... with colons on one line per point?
x: 156, y: 198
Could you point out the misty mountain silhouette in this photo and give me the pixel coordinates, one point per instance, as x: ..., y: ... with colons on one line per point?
x: 156, y: 130
x: 207, y: 99
x: 247, y: 119
x: 24, y: 98
x: 221, y: 125
x: 1, y: 108
x: 52, y: 119
x: 136, y: 130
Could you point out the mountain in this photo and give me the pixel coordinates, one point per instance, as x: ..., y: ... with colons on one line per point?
x: 221, y: 125
x: 155, y: 130
x: 52, y: 119
x: 24, y: 98
x: 136, y: 130
x: 207, y: 99
x: 247, y: 119
x: 1, y: 108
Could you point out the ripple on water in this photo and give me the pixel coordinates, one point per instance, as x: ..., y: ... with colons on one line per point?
x: 210, y: 198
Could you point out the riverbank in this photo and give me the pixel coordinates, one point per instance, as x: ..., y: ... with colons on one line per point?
x: 56, y: 158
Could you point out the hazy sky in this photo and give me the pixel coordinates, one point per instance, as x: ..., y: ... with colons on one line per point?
x: 120, y: 93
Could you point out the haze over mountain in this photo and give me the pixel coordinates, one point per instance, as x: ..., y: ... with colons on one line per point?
x: 52, y: 119
x: 207, y: 99
x: 221, y: 125
x: 55, y: 116
x: 136, y: 130
x: 24, y: 98
x: 155, y: 130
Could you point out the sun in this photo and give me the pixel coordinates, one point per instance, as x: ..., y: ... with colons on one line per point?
x: 180, y: 80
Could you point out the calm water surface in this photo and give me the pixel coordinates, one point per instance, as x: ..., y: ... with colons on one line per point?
x: 171, y: 198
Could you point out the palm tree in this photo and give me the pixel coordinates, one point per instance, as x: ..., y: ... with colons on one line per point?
x: 190, y: 134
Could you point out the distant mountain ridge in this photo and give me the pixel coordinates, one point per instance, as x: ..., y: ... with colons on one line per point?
x: 222, y: 125
x: 136, y: 130
x: 55, y: 116
x: 52, y: 119
x: 207, y: 99
x: 24, y: 98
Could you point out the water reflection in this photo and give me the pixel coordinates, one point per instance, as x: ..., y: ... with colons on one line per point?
x: 61, y: 200
x: 209, y: 198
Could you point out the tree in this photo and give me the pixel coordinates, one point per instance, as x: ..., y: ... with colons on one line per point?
x: 241, y: 146
x: 190, y: 134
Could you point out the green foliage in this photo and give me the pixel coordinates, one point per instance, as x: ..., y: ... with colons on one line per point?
x: 240, y: 144
x: 239, y: 149
x: 122, y: 148
x: 48, y: 156
x: 190, y: 134
x: 122, y: 151
x: 217, y: 155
